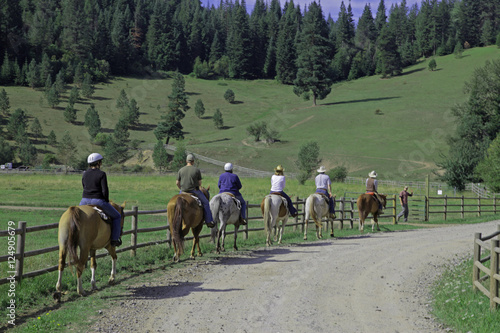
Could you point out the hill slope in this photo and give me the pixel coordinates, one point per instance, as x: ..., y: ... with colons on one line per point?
x: 396, y: 126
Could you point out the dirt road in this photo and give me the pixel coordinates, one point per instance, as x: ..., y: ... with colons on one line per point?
x: 372, y: 283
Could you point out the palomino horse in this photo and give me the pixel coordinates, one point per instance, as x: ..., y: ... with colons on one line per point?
x: 274, y: 210
x: 83, y: 227
x: 225, y: 211
x: 317, y: 208
x: 368, y: 204
x: 183, y: 214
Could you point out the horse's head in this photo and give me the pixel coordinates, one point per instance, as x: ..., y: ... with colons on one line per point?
x: 206, y: 191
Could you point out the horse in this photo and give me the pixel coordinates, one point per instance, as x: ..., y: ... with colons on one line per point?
x: 317, y: 208
x: 225, y: 211
x: 83, y: 227
x: 368, y: 204
x: 274, y: 210
x: 184, y: 213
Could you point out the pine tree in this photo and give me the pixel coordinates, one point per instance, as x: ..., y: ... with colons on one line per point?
x: 308, y: 160
x: 67, y: 149
x: 6, y: 72
x: 239, y: 46
x: 122, y: 100
x: 313, y: 48
x: 6, y: 151
x: 380, y: 17
x: 366, y: 32
x: 53, y: 97
x: 70, y: 114
x: 4, y: 103
x: 133, y: 112
x: 389, y: 60
x: 27, y: 152
x: 60, y: 83
x: 178, y: 99
x: 199, y: 109
x: 160, y: 156
x: 33, y: 74
x: 218, y: 121
x: 92, y: 121
x: 180, y: 154
x: 45, y: 68
x: 51, y: 138
x: 17, y: 120
x: 74, y: 95
x: 286, y: 52
x: 36, y: 128
x: 87, y: 86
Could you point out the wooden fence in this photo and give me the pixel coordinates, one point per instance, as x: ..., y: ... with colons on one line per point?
x: 492, y: 254
x: 475, y: 205
x: 346, y: 211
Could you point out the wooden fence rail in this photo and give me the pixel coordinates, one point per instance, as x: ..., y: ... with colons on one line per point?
x: 492, y: 254
x: 346, y: 211
x: 479, y: 204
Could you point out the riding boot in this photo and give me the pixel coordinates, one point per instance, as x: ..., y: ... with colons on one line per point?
x: 333, y: 216
x: 242, y: 221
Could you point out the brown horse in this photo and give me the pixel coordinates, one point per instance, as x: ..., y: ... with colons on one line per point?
x: 183, y: 214
x: 368, y: 204
x: 83, y: 227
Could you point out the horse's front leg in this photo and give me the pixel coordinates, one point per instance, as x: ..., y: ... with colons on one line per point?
x: 305, y: 227
x: 319, y: 229
x: 281, y: 230
x: 196, y: 240
x: 235, y: 247
x: 223, y: 237
x: 93, y: 266
x: 375, y: 220
x: 331, y: 227
x: 114, y: 257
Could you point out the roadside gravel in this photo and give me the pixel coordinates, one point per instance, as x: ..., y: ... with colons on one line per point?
x: 370, y: 283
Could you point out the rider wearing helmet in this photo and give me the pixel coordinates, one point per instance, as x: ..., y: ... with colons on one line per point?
x: 229, y: 182
x: 96, y: 192
x: 189, y: 181
x: 372, y: 187
x: 324, y: 186
x: 278, y: 185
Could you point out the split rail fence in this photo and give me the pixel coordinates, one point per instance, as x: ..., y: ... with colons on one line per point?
x: 487, y: 279
x: 346, y: 212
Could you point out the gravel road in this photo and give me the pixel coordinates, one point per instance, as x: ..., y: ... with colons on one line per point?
x: 370, y: 283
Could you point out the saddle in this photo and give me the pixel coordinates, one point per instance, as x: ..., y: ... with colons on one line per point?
x: 236, y: 201
x: 198, y: 201
x: 102, y: 214
x: 285, y: 203
x: 327, y: 199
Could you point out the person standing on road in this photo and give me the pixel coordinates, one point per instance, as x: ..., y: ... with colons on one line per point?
x: 189, y: 181
x: 324, y: 186
x: 96, y: 192
x: 229, y: 182
x: 278, y: 185
x: 403, y: 198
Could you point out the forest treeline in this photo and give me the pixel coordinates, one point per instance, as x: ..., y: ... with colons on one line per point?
x: 41, y: 38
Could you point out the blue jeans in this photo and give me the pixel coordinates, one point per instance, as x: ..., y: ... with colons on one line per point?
x: 205, y: 203
x: 331, y: 203
x: 291, y: 208
x: 243, y: 205
x: 116, y: 228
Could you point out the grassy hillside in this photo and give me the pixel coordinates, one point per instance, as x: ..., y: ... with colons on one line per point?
x: 402, y: 140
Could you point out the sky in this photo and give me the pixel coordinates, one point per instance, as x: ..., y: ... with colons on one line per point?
x: 331, y: 6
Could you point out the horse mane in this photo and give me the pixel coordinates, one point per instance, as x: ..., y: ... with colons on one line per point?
x: 73, y: 233
x: 177, y: 225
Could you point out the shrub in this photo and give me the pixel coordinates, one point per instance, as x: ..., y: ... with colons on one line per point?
x: 229, y: 96
x: 338, y: 174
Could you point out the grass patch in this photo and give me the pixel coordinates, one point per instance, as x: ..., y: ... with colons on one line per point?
x: 458, y: 306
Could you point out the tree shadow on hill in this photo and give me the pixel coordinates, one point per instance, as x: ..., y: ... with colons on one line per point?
x: 362, y: 100
x: 220, y: 140
x: 412, y: 71
x: 192, y: 93
x: 107, y: 130
x: 237, y: 102
x: 206, y: 117
x: 100, y: 98
x: 226, y: 127
x: 144, y: 127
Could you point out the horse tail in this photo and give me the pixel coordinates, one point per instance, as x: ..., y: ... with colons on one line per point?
x: 73, y: 233
x: 177, y: 225
x: 214, y: 207
x: 267, y: 213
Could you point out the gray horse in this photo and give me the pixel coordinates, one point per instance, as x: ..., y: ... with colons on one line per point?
x: 225, y: 210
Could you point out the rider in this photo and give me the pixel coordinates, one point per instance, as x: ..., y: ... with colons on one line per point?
x: 189, y: 181
x: 96, y: 192
x: 324, y: 186
x: 229, y: 182
x: 278, y: 185
x: 371, y: 186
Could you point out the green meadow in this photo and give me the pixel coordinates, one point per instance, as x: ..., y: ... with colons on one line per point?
x: 397, y: 126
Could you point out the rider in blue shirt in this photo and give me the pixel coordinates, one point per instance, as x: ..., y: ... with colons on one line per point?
x: 229, y: 182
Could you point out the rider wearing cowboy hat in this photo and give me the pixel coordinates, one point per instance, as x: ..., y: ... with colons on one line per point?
x: 96, y: 192
x: 278, y: 185
x: 324, y: 186
x: 229, y: 182
x: 372, y: 186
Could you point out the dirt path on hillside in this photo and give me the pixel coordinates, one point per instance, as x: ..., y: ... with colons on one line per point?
x: 371, y: 283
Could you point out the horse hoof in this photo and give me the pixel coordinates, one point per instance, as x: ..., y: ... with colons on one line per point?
x: 57, y: 296
x: 236, y: 248
x: 110, y: 282
x: 305, y: 237
x: 331, y: 235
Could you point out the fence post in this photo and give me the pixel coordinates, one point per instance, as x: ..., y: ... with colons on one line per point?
x: 493, y: 273
x: 445, y: 205
x: 478, y: 206
x: 426, y: 209
x: 462, y: 206
x: 341, y: 212
x: 352, y: 214
x: 427, y: 197
x: 297, y: 217
x: 133, y: 235
x: 394, y: 211
x: 21, y: 239
x: 476, y: 260
x: 494, y: 204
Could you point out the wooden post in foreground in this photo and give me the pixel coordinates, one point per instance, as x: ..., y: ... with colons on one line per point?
x: 21, y: 239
